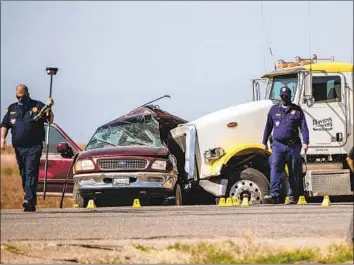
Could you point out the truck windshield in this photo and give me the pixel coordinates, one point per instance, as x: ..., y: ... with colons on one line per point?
x: 283, y: 80
x: 142, y: 131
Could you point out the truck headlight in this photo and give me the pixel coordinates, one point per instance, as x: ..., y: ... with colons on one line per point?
x: 85, y: 164
x: 159, y: 165
x: 213, y: 154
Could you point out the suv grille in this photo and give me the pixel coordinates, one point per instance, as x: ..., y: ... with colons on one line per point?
x: 113, y: 164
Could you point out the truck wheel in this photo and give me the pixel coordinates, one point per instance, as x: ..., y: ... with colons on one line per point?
x: 78, y: 199
x: 249, y: 182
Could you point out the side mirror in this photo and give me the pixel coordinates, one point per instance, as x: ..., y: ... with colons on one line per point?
x: 65, y: 150
x: 309, y: 100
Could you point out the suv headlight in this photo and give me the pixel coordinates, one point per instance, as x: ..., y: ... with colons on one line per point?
x: 213, y: 154
x: 159, y: 165
x: 85, y: 164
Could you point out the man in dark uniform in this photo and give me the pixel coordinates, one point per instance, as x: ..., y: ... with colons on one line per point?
x: 285, y: 120
x: 27, y: 139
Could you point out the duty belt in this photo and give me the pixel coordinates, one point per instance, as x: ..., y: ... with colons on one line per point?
x: 288, y: 142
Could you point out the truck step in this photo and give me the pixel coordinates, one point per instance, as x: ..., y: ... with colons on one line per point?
x: 328, y: 182
x: 321, y: 166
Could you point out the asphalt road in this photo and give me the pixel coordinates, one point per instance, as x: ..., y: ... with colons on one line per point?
x: 185, y: 222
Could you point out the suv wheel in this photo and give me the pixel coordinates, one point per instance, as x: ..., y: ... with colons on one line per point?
x: 79, y: 199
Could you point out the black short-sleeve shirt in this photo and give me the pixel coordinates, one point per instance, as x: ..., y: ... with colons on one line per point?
x: 25, y: 131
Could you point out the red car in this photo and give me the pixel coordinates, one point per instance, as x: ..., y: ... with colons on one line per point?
x: 133, y: 156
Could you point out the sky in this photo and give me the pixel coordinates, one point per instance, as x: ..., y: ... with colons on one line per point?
x: 115, y: 56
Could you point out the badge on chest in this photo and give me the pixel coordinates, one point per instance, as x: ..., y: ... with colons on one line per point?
x: 277, y: 123
x: 33, y: 110
x: 13, y: 121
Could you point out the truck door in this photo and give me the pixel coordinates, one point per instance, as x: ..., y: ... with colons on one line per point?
x: 326, y: 116
x: 58, y: 166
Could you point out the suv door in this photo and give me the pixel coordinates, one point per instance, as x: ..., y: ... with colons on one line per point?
x: 58, y: 166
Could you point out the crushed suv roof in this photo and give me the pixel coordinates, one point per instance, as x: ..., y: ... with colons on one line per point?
x: 152, y: 110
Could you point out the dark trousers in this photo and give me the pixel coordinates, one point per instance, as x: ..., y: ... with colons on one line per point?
x: 28, y: 160
x: 285, y: 155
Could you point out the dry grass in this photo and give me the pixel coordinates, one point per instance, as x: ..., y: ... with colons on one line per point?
x: 232, y: 251
x: 11, y: 186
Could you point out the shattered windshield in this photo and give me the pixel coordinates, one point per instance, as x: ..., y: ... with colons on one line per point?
x: 142, y: 131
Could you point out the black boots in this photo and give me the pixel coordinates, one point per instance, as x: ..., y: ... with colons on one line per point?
x: 28, y: 207
x: 271, y: 200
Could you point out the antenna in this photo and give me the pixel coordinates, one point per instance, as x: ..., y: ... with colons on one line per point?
x: 264, y: 53
x: 165, y: 96
x: 309, y: 9
x: 266, y: 36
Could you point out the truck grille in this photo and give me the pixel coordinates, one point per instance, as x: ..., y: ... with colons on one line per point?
x: 117, y: 164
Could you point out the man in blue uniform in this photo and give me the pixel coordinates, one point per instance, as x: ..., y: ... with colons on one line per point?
x: 27, y: 139
x: 285, y: 120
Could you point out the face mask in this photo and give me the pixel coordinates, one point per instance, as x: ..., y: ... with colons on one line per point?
x: 286, y: 100
x: 22, y: 99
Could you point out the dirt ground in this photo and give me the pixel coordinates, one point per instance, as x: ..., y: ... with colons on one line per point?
x: 11, y: 187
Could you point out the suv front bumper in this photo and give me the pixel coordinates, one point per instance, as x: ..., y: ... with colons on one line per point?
x: 125, y: 180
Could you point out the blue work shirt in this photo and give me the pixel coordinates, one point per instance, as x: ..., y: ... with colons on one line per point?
x: 24, y: 130
x: 285, y: 123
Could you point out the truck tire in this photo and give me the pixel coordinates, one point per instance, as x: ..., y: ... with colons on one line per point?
x: 78, y: 199
x: 249, y: 181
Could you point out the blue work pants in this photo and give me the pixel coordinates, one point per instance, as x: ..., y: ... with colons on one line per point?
x: 282, y: 155
x: 28, y: 160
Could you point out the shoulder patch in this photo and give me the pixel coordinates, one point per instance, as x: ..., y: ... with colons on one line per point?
x: 10, y: 108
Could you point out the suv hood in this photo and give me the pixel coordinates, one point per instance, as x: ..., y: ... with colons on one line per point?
x: 125, y: 151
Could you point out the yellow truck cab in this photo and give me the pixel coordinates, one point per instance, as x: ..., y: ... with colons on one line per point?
x: 223, y: 150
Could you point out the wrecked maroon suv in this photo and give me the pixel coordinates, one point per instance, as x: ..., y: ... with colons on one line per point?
x: 131, y: 157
